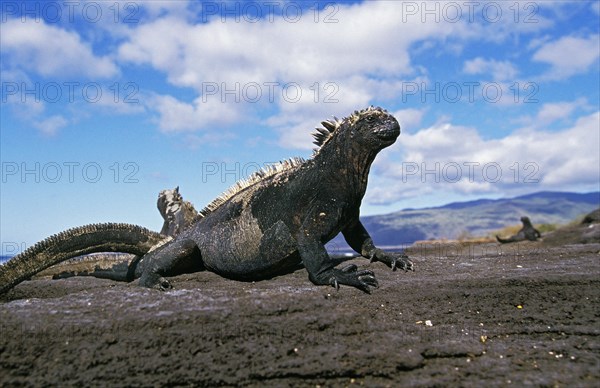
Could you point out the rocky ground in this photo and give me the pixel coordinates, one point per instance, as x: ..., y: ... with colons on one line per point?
x: 471, y: 315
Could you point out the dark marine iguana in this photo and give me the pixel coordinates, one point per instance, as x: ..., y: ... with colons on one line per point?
x: 527, y: 232
x: 270, y: 224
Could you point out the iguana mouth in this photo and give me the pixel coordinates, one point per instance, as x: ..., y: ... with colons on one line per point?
x: 388, y: 133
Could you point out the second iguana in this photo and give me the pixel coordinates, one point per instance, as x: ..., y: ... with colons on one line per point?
x: 527, y: 232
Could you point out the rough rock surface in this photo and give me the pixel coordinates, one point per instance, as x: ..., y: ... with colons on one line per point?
x: 471, y: 315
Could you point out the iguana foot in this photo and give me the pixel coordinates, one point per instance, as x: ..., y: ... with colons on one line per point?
x: 393, y: 260
x: 154, y: 280
x: 351, y: 276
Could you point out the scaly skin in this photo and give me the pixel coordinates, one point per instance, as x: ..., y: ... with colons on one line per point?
x: 271, y: 224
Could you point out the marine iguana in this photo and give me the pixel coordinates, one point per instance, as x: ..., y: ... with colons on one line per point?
x: 270, y: 224
x: 177, y: 213
x: 527, y: 232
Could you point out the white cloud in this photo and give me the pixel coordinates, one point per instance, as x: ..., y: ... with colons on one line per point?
x: 555, y: 111
x: 298, y: 136
x: 178, y: 116
x: 500, y: 70
x: 303, y: 52
x: 568, y: 56
x: 457, y: 159
x: 442, y: 141
x: 498, y: 21
x: 552, y: 112
x: 409, y: 118
x: 571, y: 156
x: 51, y: 51
x: 363, y: 60
x: 51, y: 125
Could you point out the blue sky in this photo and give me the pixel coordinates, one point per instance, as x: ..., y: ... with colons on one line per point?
x: 104, y: 104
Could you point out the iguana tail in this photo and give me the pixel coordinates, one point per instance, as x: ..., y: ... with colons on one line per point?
x: 75, y: 242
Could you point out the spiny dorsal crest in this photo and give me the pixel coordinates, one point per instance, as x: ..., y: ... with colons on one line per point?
x: 324, y: 134
x: 242, y: 184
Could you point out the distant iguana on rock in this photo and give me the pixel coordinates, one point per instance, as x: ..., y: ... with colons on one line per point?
x: 527, y: 232
x: 270, y: 224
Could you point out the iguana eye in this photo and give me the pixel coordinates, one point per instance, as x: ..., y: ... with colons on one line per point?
x: 370, y: 119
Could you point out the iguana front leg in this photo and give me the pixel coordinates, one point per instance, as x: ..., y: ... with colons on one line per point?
x: 176, y: 257
x: 321, y: 269
x: 358, y: 238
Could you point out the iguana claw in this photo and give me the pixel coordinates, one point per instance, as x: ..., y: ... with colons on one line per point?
x: 165, y: 285
x: 394, y: 260
x: 403, y: 262
x: 335, y: 284
x: 351, y: 276
x: 154, y: 280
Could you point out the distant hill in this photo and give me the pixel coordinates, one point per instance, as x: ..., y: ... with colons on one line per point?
x: 476, y: 218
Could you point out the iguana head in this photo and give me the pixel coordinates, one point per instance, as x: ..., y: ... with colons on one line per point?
x: 372, y: 129
x: 169, y: 202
